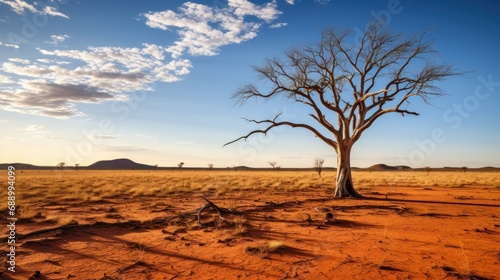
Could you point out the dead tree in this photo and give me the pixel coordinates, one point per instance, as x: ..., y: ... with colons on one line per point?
x: 318, y: 165
x: 346, y: 85
x: 275, y: 165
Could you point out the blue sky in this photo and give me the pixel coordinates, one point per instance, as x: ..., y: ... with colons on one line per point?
x: 82, y: 81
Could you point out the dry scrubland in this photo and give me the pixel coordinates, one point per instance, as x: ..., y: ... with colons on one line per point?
x: 81, y: 224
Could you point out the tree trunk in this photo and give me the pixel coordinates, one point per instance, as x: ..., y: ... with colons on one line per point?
x: 343, y: 184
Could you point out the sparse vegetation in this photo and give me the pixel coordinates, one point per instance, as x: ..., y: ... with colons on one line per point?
x: 61, y: 165
x: 318, y: 165
x: 272, y: 209
x: 275, y: 165
x: 264, y: 249
x: 427, y: 169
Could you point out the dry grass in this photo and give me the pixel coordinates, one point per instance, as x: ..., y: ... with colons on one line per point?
x: 83, y: 185
x: 35, y: 187
x: 264, y: 249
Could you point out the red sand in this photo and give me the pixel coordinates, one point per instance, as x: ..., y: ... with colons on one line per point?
x: 438, y: 233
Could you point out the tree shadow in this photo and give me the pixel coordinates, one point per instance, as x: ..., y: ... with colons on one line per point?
x: 427, y: 201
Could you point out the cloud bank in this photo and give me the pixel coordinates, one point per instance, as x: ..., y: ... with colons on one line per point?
x: 203, y: 29
x: 55, y: 83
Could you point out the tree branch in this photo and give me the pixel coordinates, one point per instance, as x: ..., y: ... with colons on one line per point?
x: 274, y: 123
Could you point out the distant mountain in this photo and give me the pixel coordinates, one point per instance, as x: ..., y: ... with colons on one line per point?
x: 19, y: 166
x: 122, y: 163
x: 384, y: 167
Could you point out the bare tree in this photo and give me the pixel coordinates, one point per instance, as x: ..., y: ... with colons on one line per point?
x: 275, y: 165
x: 210, y: 166
x: 77, y: 165
x: 347, y: 85
x: 180, y: 165
x: 155, y: 167
x: 61, y: 165
x: 428, y: 169
x: 318, y: 165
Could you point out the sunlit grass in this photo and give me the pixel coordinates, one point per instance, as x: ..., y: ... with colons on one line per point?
x: 88, y: 185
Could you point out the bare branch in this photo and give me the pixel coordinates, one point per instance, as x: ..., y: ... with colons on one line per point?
x: 274, y: 123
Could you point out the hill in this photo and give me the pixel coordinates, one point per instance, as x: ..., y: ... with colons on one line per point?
x: 384, y: 167
x: 122, y: 163
x: 19, y: 166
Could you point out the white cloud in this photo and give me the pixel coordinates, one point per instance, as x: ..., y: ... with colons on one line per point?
x: 96, y: 75
x: 56, y: 39
x: 291, y: 2
x: 53, y: 100
x: 52, y: 11
x: 19, y: 60
x: 9, y: 45
x: 6, y: 80
x: 35, y: 128
x: 204, y: 29
x: 18, y: 6
x: 54, y: 84
x: 107, y: 136
x: 278, y: 25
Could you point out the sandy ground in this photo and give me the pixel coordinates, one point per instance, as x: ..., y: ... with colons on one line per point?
x: 396, y: 233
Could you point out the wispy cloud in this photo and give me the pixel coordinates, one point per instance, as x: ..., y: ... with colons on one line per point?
x: 143, y: 136
x: 35, y: 128
x: 20, y: 7
x: 291, y: 2
x: 204, y: 29
x: 9, y: 45
x: 6, y: 80
x: 56, y: 39
x: 278, y: 25
x: 124, y: 149
x: 40, y: 131
x: 186, y: 142
x: 107, y: 136
x: 52, y: 11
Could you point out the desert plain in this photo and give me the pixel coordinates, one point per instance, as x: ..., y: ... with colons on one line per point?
x: 87, y: 224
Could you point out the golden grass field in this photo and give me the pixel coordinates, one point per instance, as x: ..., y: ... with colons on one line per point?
x: 83, y: 224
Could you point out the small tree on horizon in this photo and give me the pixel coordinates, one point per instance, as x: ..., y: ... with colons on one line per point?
x: 180, y: 165
x: 318, y: 165
x: 346, y: 82
x: 77, y: 165
x: 464, y: 169
x: 210, y: 166
x: 275, y: 165
x: 428, y: 169
x: 61, y: 165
